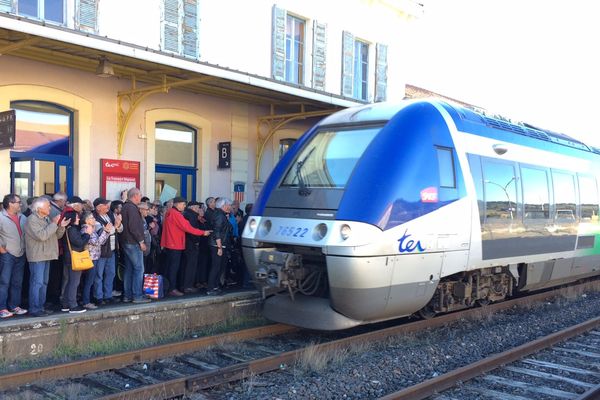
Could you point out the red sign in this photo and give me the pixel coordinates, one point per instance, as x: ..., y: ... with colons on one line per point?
x: 118, y: 175
x: 429, y: 195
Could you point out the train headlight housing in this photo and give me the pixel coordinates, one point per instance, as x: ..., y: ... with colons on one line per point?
x: 319, y: 232
x: 265, y: 227
x: 252, y: 225
x: 345, y: 231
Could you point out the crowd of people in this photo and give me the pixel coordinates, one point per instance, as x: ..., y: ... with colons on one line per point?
x: 195, y: 247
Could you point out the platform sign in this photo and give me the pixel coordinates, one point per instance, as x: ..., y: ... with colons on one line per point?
x: 225, y: 155
x: 8, y: 123
x: 118, y: 175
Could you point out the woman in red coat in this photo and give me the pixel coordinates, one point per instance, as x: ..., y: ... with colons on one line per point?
x: 175, y: 226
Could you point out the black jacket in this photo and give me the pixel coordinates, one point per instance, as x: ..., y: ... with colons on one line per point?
x: 133, y: 224
x: 77, y: 240
x: 192, y: 217
x: 222, y: 229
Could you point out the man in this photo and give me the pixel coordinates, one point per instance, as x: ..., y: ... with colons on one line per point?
x: 57, y: 205
x: 192, y: 248
x: 12, y: 256
x: 210, y: 210
x: 41, y: 244
x: 220, y: 241
x: 133, y: 246
x: 106, y: 267
x: 173, y: 240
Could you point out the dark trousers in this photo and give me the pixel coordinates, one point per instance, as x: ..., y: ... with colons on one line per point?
x: 173, y: 261
x: 217, y: 268
x: 55, y: 279
x: 70, y: 296
x: 203, y: 264
x: 191, y: 253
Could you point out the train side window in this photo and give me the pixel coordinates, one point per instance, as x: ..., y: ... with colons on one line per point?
x: 564, y: 195
x: 500, y: 190
x: 588, y: 197
x: 446, y: 167
x: 536, y: 196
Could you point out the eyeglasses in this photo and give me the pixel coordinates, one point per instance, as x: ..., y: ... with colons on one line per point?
x: 16, y: 202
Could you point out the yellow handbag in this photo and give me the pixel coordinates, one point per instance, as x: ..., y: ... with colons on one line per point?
x: 80, y: 260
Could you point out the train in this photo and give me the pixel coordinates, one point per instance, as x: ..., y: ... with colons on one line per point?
x: 420, y: 207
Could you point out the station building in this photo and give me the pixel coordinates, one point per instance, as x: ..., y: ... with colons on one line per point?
x: 186, y: 97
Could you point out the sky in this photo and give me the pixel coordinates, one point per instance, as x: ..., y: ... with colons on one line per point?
x: 530, y: 60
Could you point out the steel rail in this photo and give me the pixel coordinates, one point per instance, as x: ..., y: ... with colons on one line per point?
x: 181, y: 386
x: 592, y: 394
x: 124, y: 359
x: 450, y: 379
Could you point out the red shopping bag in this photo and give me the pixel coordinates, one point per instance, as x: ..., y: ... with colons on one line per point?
x: 153, y: 286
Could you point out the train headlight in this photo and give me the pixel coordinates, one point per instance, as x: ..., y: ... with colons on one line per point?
x: 319, y: 232
x: 345, y: 231
x: 252, y: 225
x: 265, y: 227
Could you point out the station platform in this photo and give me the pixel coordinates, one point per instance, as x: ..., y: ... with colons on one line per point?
x: 24, y: 337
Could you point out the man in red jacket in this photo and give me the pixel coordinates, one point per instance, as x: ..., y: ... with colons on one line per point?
x: 175, y: 226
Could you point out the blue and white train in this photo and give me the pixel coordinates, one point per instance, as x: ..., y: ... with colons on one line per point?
x: 387, y: 210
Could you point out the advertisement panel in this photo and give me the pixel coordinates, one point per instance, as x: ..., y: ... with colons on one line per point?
x: 117, y: 176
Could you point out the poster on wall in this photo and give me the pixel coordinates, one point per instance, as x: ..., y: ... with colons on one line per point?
x: 118, y: 175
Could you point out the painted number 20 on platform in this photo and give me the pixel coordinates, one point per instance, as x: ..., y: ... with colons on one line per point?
x: 292, y: 231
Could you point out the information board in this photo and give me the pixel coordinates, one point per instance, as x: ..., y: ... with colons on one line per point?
x: 118, y: 175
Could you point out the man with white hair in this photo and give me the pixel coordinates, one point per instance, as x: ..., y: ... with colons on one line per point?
x: 220, y: 243
x: 41, y: 243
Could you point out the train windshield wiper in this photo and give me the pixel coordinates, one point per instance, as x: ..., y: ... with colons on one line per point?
x: 303, y: 190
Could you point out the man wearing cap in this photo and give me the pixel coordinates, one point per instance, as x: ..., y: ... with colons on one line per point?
x: 173, y: 240
x: 133, y: 246
x: 193, y: 260
x: 105, y: 269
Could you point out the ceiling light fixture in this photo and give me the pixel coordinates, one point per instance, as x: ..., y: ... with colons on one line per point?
x: 105, y: 68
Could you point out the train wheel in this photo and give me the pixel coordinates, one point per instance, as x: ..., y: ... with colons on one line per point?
x: 426, y: 312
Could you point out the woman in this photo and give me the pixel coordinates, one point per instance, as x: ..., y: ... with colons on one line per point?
x: 77, y: 240
x: 98, y: 237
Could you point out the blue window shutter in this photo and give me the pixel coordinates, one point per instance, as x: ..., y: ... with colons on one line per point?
x: 6, y: 6
x: 319, y: 55
x: 87, y: 15
x: 170, y: 26
x: 347, y: 64
x: 381, y: 68
x: 278, y: 45
x: 190, y: 28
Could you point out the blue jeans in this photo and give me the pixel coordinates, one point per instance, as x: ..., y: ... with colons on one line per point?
x: 11, y: 280
x: 38, y: 283
x: 105, y: 274
x: 90, y: 277
x: 133, y: 278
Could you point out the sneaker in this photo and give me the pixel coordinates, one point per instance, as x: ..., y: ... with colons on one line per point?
x: 18, y: 311
x: 77, y: 310
x: 143, y: 300
x: 90, y: 306
x: 5, y: 314
x: 175, y: 293
x: 214, y: 292
x: 116, y: 293
x: 65, y: 309
x: 126, y: 300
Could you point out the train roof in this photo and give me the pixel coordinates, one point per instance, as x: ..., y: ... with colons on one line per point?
x: 470, y: 121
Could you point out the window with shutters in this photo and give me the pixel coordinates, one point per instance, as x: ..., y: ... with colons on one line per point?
x: 361, y: 70
x: 87, y: 15
x: 355, y: 67
x: 294, y: 50
x: 6, y: 6
x: 46, y: 10
x: 180, y: 27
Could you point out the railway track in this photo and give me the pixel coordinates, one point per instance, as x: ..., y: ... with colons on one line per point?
x: 173, y: 370
x: 563, y: 365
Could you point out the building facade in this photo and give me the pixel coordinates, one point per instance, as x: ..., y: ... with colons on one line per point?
x: 192, y: 97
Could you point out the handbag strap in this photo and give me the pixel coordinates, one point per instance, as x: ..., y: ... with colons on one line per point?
x: 68, y: 241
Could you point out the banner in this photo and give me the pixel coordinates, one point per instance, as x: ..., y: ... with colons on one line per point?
x: 118, y: 175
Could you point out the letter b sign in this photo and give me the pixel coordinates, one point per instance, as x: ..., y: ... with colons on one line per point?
x: 225, y: 155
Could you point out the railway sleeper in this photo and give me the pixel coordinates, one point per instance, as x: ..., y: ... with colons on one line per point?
x: 467, y: 289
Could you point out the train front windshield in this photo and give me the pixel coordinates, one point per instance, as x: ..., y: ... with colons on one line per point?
x: 327, y: 161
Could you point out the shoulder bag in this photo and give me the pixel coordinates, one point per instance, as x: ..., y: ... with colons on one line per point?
x: 80, y: 260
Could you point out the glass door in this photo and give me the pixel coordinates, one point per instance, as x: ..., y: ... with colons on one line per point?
x: 36, y: 176
x: 180, y: 179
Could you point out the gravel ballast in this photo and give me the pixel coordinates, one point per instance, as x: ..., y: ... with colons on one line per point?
x: 372, y: 371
